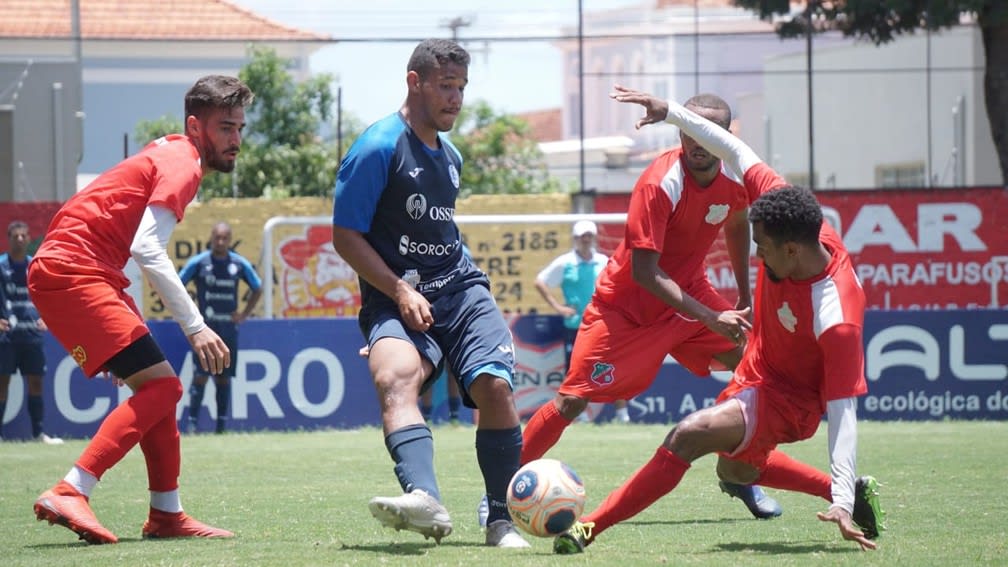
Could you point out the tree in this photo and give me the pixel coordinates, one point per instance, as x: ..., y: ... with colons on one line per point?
x: 499, y: 155
x: 882, y: 20
x: 284, y: 153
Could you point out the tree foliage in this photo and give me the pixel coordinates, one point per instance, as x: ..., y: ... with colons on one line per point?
x: 500, y: 157
x: 284, y: 153
x: 882, y: 20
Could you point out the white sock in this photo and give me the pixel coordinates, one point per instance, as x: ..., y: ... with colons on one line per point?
x: 622, y: 414
x: 166, y: 501
x: 82, y: 480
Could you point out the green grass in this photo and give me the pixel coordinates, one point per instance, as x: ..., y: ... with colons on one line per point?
x: 301, y: 499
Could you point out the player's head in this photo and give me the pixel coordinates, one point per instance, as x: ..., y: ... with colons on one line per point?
x: 18, y: 237
x: 214, y: 118
x: 715, y: 109
x: 436, y: 77
x: 220, y: 239
x: 786, y: 223
x: 585, y: 233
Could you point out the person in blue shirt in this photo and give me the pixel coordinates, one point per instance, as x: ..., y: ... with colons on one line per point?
x: 21, y: 339
x: 424, y: 304
x: 217, y: 272
x: 575, y: 273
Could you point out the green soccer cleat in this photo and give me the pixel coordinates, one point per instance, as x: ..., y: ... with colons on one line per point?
x: 868, y: 513
x: 574, y: 540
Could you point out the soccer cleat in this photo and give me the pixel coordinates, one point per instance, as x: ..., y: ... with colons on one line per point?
x: 415, y: 511
x: 868, y: 513
x: 760, y: 505
x: 502, y: 533
x: 483, y: 512
x: 574, y: 540
x: 161, y: 524
x: 64, y: 505
x: 48, y: 440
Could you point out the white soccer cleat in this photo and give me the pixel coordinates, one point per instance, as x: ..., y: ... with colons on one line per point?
x: 502, y: 533
x: 47, y: 440
x: 416, y: 511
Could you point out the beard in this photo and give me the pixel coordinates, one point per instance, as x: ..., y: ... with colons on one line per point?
x: 217, y: 160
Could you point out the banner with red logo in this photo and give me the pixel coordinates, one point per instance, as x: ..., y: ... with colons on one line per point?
x: 912, y: 249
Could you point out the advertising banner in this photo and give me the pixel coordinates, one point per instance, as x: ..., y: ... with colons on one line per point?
x: 306, y: 374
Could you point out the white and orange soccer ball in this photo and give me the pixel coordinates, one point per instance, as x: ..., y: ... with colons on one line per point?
x: 545, y: 498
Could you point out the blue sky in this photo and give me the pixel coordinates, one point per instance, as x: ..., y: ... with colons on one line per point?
x: 512, y: 75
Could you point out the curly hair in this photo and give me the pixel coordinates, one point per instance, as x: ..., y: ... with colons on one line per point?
x: 788, y: 214
x: 430, y: 54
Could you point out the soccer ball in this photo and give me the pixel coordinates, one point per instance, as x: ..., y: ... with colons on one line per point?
x: 545, y: 498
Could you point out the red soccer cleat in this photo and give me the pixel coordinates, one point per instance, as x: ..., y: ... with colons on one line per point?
x: 63, y: 505
x: 178, y: 524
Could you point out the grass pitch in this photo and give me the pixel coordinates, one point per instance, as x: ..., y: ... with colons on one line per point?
x: 301, y: 499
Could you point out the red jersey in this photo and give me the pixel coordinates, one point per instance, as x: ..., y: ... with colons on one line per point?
x: 807, y: 335
x: 96, y: 226
x: 673, y: 215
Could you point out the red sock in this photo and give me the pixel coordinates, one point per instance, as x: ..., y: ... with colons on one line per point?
x: 781, y: 471
x: 542, y: 431
x: 161, y: 450
x: 129, y: 422
x: 655, y: 479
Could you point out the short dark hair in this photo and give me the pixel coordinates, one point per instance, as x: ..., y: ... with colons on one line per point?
x: 788, y: 214
x: 430, y: 54
x: 216, y: 91
x: 712, y: 102
x: 15, y: 224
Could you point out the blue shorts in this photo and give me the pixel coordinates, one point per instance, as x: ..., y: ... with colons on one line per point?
x: 29, y: 358
x: 469, y: 335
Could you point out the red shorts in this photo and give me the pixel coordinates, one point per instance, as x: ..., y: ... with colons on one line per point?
x: 771, y: 418
x: 86, y: 309
x: 615, y: 358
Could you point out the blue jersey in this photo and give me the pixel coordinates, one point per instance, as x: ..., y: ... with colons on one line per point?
x: 400, y: 195
x: 217, y: 283
x: 17, y: 304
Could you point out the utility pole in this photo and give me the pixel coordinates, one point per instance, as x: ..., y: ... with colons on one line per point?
x: 458, y: 22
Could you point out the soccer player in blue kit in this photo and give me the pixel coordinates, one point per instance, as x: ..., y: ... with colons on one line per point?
x: 217, y: 272
x: 423, y: 303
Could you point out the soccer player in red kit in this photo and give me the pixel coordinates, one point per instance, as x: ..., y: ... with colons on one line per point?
x: 654, y: 298
x: 76, y: 280
x: 805, y: 358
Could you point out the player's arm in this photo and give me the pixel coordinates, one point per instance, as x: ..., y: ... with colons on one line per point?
x: 738, y: 235
x: 254, y: 282
x: 649, y: 275
x: 546, y: 280
x: 365, y: 260
x: 150, y: 251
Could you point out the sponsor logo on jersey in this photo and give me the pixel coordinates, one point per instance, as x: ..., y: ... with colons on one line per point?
x: 454, y: 174
x: 603, y: 374
x: 416, y: 206
x: 407, y: 246
x: 787, y: 317
x: 416, y: 172
x: 717, y: 214
x: 443, y: 214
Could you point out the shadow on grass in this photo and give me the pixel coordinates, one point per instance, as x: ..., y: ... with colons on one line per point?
x: 413, y: 548
x: 781, y: 547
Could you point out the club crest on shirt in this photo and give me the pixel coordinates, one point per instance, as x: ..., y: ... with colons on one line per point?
x: 603, y: 374
x: 454, y: 174
x: 716, y: 214
x: 79, y: 355
x: 787, y: 318
x: 233, y: 269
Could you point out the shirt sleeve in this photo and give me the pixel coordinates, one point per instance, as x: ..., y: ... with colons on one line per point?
x: 189, y: 270
x: 843, y: 360
x: 150, y: 250
x: 841, y: 416
x: 177, y: 176
x: 552, y: 274
x: 647, y: 217
x: 362, y: 177
x: 249, y: 274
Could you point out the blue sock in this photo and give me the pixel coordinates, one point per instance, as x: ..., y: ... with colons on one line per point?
x: 195, y: 401
x: 453, y: 407
x: 412, y: 449
x: 498, y: 452
x: 35, y: 411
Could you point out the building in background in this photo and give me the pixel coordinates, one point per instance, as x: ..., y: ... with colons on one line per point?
x: 136, y: 60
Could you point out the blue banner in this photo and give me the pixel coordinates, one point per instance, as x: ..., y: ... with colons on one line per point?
x: 306, y: 374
